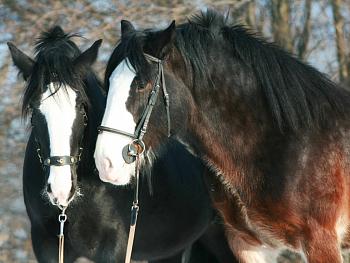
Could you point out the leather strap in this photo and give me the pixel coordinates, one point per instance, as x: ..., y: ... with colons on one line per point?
x: 101, y: 128
x: 142, y: 125
x: 61, y: 160
x: 134, y: 212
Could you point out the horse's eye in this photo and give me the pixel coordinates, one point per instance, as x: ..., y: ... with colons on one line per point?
x: 140, y: 83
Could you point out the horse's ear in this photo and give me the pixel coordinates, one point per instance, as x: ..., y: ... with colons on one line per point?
x: 88, y: 57
x: 126, y: 27
x: 23, y: 62
x: 163, y: 40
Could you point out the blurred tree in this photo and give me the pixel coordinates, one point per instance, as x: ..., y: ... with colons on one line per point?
x: 280, y: 18
x: 303, y: 36
x: 342, y: 54
x: 251, y: 14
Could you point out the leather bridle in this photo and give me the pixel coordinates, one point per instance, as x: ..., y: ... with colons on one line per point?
x: 136, y: 148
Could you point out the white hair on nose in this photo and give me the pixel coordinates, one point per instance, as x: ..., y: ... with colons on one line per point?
x: 58, y: 107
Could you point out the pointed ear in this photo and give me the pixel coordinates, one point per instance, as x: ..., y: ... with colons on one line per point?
x: 88, y: 57
x: 126, y: 27
x: 163, y: 41
x: 23, y: 62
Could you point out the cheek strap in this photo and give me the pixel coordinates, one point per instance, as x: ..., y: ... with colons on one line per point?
x: 141, y: 128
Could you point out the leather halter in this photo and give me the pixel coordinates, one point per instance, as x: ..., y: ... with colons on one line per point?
x: 60, y: 160
x: 142, y: 125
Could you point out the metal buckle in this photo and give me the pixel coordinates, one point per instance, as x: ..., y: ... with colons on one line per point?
x: 132, y: 150
x: 139, y: 145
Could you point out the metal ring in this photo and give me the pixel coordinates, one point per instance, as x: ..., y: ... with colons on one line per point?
x: 141, y: 144
x: 62, y: 218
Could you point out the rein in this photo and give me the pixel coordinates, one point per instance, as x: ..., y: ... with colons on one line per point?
x: 136, y: 148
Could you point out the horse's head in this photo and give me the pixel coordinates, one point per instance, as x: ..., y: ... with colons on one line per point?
x: 56, y: 99
x: 132, y: 75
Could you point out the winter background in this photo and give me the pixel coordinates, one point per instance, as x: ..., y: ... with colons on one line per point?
x: 317, y: 31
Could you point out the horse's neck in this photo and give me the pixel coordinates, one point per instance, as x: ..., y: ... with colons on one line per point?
x: 229, y: 138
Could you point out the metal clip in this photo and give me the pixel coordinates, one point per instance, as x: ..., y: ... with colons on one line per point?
x: 62, y: 218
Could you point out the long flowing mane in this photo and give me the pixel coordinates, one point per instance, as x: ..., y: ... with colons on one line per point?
x: 55, y: 52
x: 296, y: 94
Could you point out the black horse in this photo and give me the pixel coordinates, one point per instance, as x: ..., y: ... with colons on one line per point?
x: 176, y: 215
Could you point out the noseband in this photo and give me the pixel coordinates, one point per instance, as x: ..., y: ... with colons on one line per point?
x: 58, y: 160
x: 137, y: 146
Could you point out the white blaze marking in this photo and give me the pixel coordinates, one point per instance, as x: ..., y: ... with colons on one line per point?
x: 108, y: 152
x: 116, y: 115
x: 59, y: 111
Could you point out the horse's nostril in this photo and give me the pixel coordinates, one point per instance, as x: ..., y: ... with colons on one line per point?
x: 55, y: 201
x: 48, y: 188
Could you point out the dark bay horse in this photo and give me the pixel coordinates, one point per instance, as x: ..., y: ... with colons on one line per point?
x: 273, y: 129
x: 66, y: 103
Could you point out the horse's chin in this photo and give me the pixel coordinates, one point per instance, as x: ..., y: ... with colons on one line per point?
x: 117, y: 177
x: 61, y: 201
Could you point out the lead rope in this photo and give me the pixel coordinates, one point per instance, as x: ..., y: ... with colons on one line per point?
x: 62, y: 218
x: 134, y: 212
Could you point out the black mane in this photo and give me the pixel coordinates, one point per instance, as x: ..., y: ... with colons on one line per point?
x: 296, y: 94
x: 55, y: 52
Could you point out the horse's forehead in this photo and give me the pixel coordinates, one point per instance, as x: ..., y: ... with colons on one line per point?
x: 58, y: 104
x: 123, y: 68
x: 59, y: 110
x: 122, y: 76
